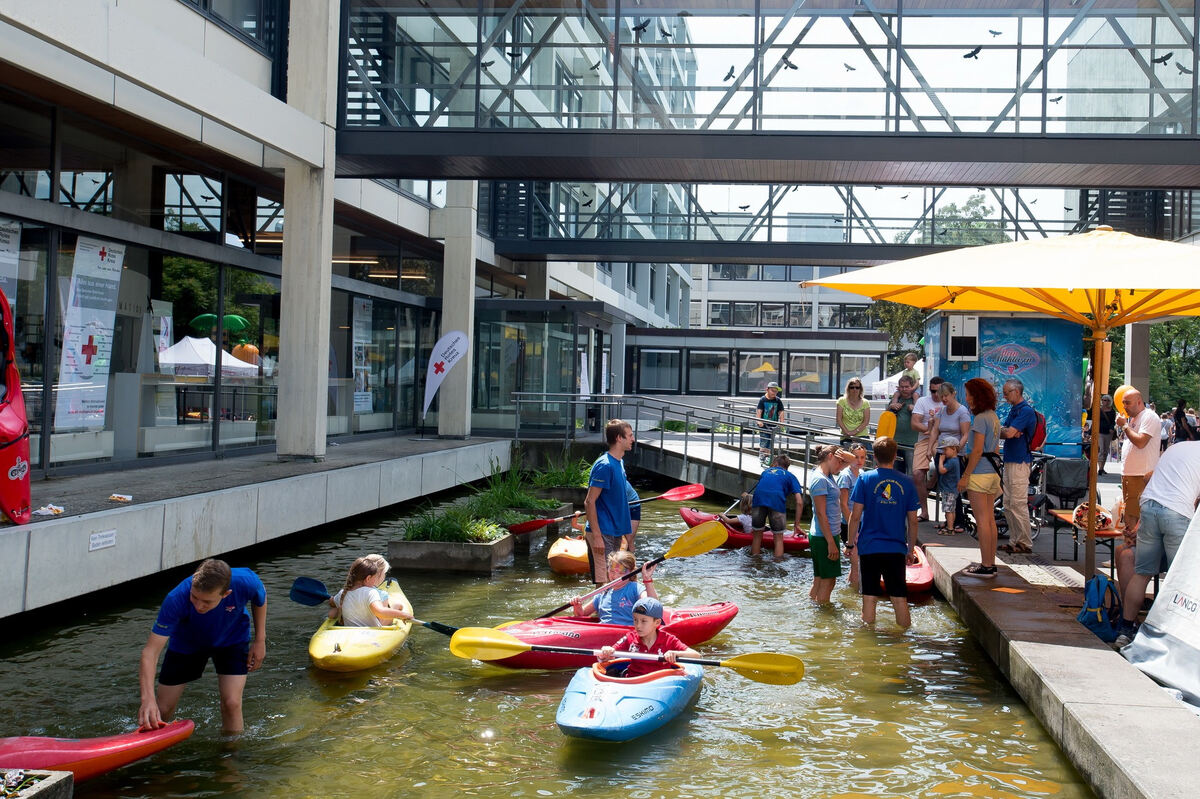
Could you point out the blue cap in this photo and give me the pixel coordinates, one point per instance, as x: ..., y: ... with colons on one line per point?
x: 649, y: 606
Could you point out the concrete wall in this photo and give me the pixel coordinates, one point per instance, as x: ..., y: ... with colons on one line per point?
x: 50, y: 561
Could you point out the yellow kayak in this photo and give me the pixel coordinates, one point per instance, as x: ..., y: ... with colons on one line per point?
x: 337, y: 648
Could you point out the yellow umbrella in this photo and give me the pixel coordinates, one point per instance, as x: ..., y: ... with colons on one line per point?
x: 766, y: 367
x: 1101, y: 279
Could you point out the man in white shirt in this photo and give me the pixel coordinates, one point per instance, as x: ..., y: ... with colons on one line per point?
x: 924, y: 411
x: 1167, y: 506
x: 1139, y: 452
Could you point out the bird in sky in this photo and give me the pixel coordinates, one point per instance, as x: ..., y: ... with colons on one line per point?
x: 595, y: 66
x: 515, y: 53
x: 788, y: 64
x: 663, y: 32
x: 1182, y: 69
x: 685, y: 13
x: 994, y: 33
x: 587, y: 204
x: 877, y: 187
x: 641, y: 26
x: 206, y: 197
x: 943, y: 231
x: 974, y: 53
x: 729, y: 74
x: 1068, y: 208
x: 904, y: 196
x: 743, y: 207
x: 1033, y: 201
x: 486, y: 64
x: 837, y: 219
x: 1162, y: 59
x: 848, y: 67
x: 1056, y: 99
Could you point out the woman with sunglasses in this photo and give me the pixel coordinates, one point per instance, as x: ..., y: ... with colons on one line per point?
x: 853, y: 412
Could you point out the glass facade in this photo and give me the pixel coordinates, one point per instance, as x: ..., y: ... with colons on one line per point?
x: 524, y: 351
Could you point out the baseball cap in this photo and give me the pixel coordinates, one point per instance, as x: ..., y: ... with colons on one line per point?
x: 773, y: 384
x: 947, y: 441
x: 649, y: 606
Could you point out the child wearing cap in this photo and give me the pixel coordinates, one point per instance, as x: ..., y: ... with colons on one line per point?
x: 770, y: 416
x: 949, y: 469
x: 647, y: 637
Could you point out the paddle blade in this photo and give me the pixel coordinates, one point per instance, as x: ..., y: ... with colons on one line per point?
x: 484, y: 643
x: 768, y: 667
x: 308, y: 591
x: 529, y: 526
x: 702, y: 538
x: 681, y: 493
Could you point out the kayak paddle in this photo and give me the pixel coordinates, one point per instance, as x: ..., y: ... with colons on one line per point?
x: 702, y: 538
x: 312, y: 592
x: 484, y: 643
x: 677, y: 494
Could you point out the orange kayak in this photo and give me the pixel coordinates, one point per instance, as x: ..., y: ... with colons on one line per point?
x: 568, y: 556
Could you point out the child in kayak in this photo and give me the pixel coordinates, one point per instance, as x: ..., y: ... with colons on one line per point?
x: 615, y: 605
x: 361, y: 603
x: 646, y: 637
x: 743, y: 516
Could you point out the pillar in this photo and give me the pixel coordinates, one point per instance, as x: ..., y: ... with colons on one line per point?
x: 308, y: 238
x: 616, y: 364
x: 537, y: 280
x: 458, y: 304
x: 1137, y: 360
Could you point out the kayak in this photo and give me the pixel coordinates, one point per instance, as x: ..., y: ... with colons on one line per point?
x: 605, y: 708
x: 569, y: 556
x: 89, y: 757
x: 919, y: 576
x: 691, y: 625
x: 337, y: 648
x: 738, y: 538
x: 14, y: 427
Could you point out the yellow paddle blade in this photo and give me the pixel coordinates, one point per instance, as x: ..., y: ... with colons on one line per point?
x: 698, y: 540
x: 767, y: 667
x: 484, y: 643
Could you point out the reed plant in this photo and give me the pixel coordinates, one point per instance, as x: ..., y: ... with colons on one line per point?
x: 573, y: 474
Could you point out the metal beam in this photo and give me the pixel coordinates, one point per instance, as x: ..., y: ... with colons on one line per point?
x: 733, y: 252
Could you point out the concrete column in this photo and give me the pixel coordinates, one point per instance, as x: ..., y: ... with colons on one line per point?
x: 660, y: 291
x: 308, y: 238
x: 685, y: 305
x: 458, y: 304
x: 537, y: 280
x: 617, y: 363
x: 1137, y: 359
x: 642, y: 271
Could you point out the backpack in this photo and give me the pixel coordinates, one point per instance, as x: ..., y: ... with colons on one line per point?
x: 1039, y: 432
x: 1096, y: 615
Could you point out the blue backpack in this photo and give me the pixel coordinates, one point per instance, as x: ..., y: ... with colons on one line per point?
x: 1101, y: 611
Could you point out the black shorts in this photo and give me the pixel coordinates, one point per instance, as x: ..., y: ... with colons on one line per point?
x: 179, y: 668
x: 888, y: 567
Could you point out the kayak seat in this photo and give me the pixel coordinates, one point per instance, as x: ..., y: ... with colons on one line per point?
x: 603, y: 672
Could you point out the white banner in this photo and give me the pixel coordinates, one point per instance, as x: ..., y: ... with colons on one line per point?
x: 449, y: 350
x: 87, y: 335
x: 361, y: 328
x: 10, y: 254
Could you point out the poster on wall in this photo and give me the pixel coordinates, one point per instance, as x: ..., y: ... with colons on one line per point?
x: 88, y: 319
x: 10, y: 254
x: 361, y: 330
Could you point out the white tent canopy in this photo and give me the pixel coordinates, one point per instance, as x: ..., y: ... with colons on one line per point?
x: 198, y: 356
x: 883, y: 389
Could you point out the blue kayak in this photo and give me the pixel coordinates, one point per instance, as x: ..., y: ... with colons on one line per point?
x: 605, y: 708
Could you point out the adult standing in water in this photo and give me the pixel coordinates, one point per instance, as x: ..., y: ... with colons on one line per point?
x: 769, y: 504
x: 606, y: 505
x: 826, y: 521
x: 981, y: 479
x: 205, y: 617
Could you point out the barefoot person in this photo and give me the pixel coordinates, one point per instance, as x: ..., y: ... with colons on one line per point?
x: 606, y: 505
x: 205, y: 617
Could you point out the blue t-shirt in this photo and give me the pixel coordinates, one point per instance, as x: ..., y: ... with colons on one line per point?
x: 612, y: 508
x: 847, y: 480
x: 225, y: 625
x: 948, y: 482
x: 615, y: 606
x: 631, y: 495
x: 1022, y: 417
x: 821, y: 485
x: 774, y: 487
x: 887, y: 496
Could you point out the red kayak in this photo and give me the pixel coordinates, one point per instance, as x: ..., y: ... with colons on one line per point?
x: 738, y: 538
x: 691, y: 625
x: 919, y: 576
x: 90, y: 757
x: 14, y: 427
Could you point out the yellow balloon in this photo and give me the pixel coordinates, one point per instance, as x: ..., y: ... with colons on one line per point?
x: 1119, y: 398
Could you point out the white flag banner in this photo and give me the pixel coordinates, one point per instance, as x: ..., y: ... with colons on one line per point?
x: 10, y: 255
x: 449, y: 350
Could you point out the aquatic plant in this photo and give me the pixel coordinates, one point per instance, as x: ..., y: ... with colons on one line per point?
x: 573, y: 474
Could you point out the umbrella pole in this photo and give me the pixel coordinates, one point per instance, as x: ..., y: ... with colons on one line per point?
x: 1089, y: 550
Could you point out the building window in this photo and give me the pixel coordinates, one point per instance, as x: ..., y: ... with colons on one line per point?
x: 799, y: 273
x: 745, y: 314
x: 733, y: 272
x: 260, y: 21
x: 658, y: 370
x: 774, y: 272
x: 755, y: 370
x: 696, y: 314
x: 808, y: 374
x: 857, y: 317
x: 800, y: 314
x: 829, y: 316
x: 631, y: 275
x: 863, y: 367
x: 774, y: 314
x: 719, y: 314
x: 653, y: 282
x: 569, y: 98
x: 708, y: 371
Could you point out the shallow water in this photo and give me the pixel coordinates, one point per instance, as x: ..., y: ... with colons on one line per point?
x: 879, y: 713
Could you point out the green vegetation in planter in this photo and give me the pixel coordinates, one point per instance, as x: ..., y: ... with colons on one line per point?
x: 505, y: 490
x: 677, y: 426
x: 457, y: 524
x: 574, y: 475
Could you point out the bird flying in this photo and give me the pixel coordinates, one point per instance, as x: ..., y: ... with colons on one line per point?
x: 743, y: 207
x: 596, y: 66
x: 1182, y: 69
x: 729, y: 74
x: 1162, y: 59
x: 788, y: 64
x: 848, y: 67
x: 486, y: 64
x: 994, y: 33
x: 974, y: 53
x: 1056, y: 99
x: 641, y: 26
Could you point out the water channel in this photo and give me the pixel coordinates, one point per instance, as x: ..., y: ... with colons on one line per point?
x: 879, y: 713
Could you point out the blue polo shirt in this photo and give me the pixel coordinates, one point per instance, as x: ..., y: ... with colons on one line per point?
x: 774, y: 487
x: 1021, y: 417
x: 225, y: 625
x: 612, y: 507
x: 887, y: 496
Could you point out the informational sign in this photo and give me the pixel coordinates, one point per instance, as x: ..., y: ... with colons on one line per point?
x: 102, y: 540
x: 10, y: 254
x: 361, y: 328
x: 88, y: 320
x: 449, y: 350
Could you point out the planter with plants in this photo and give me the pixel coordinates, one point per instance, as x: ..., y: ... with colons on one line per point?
x: 507, y: 498
x: 453, y: 539
x: 566, y: 482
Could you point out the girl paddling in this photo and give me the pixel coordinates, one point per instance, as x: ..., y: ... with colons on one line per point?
x: 361, y: 603
x: 615, y: 605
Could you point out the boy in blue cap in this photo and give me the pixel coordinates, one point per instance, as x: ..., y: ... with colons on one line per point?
x: 646, y: 637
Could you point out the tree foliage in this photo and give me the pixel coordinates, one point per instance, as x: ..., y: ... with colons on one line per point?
x: 904, y: 325
x: 973, y: 223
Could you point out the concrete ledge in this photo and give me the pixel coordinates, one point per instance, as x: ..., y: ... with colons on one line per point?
x: 1119, y: 728
x: 56, y: 785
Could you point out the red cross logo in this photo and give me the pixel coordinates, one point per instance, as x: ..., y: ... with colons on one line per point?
x: 103, y: 253
x: 89, y: 349
x: 439, y: 367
